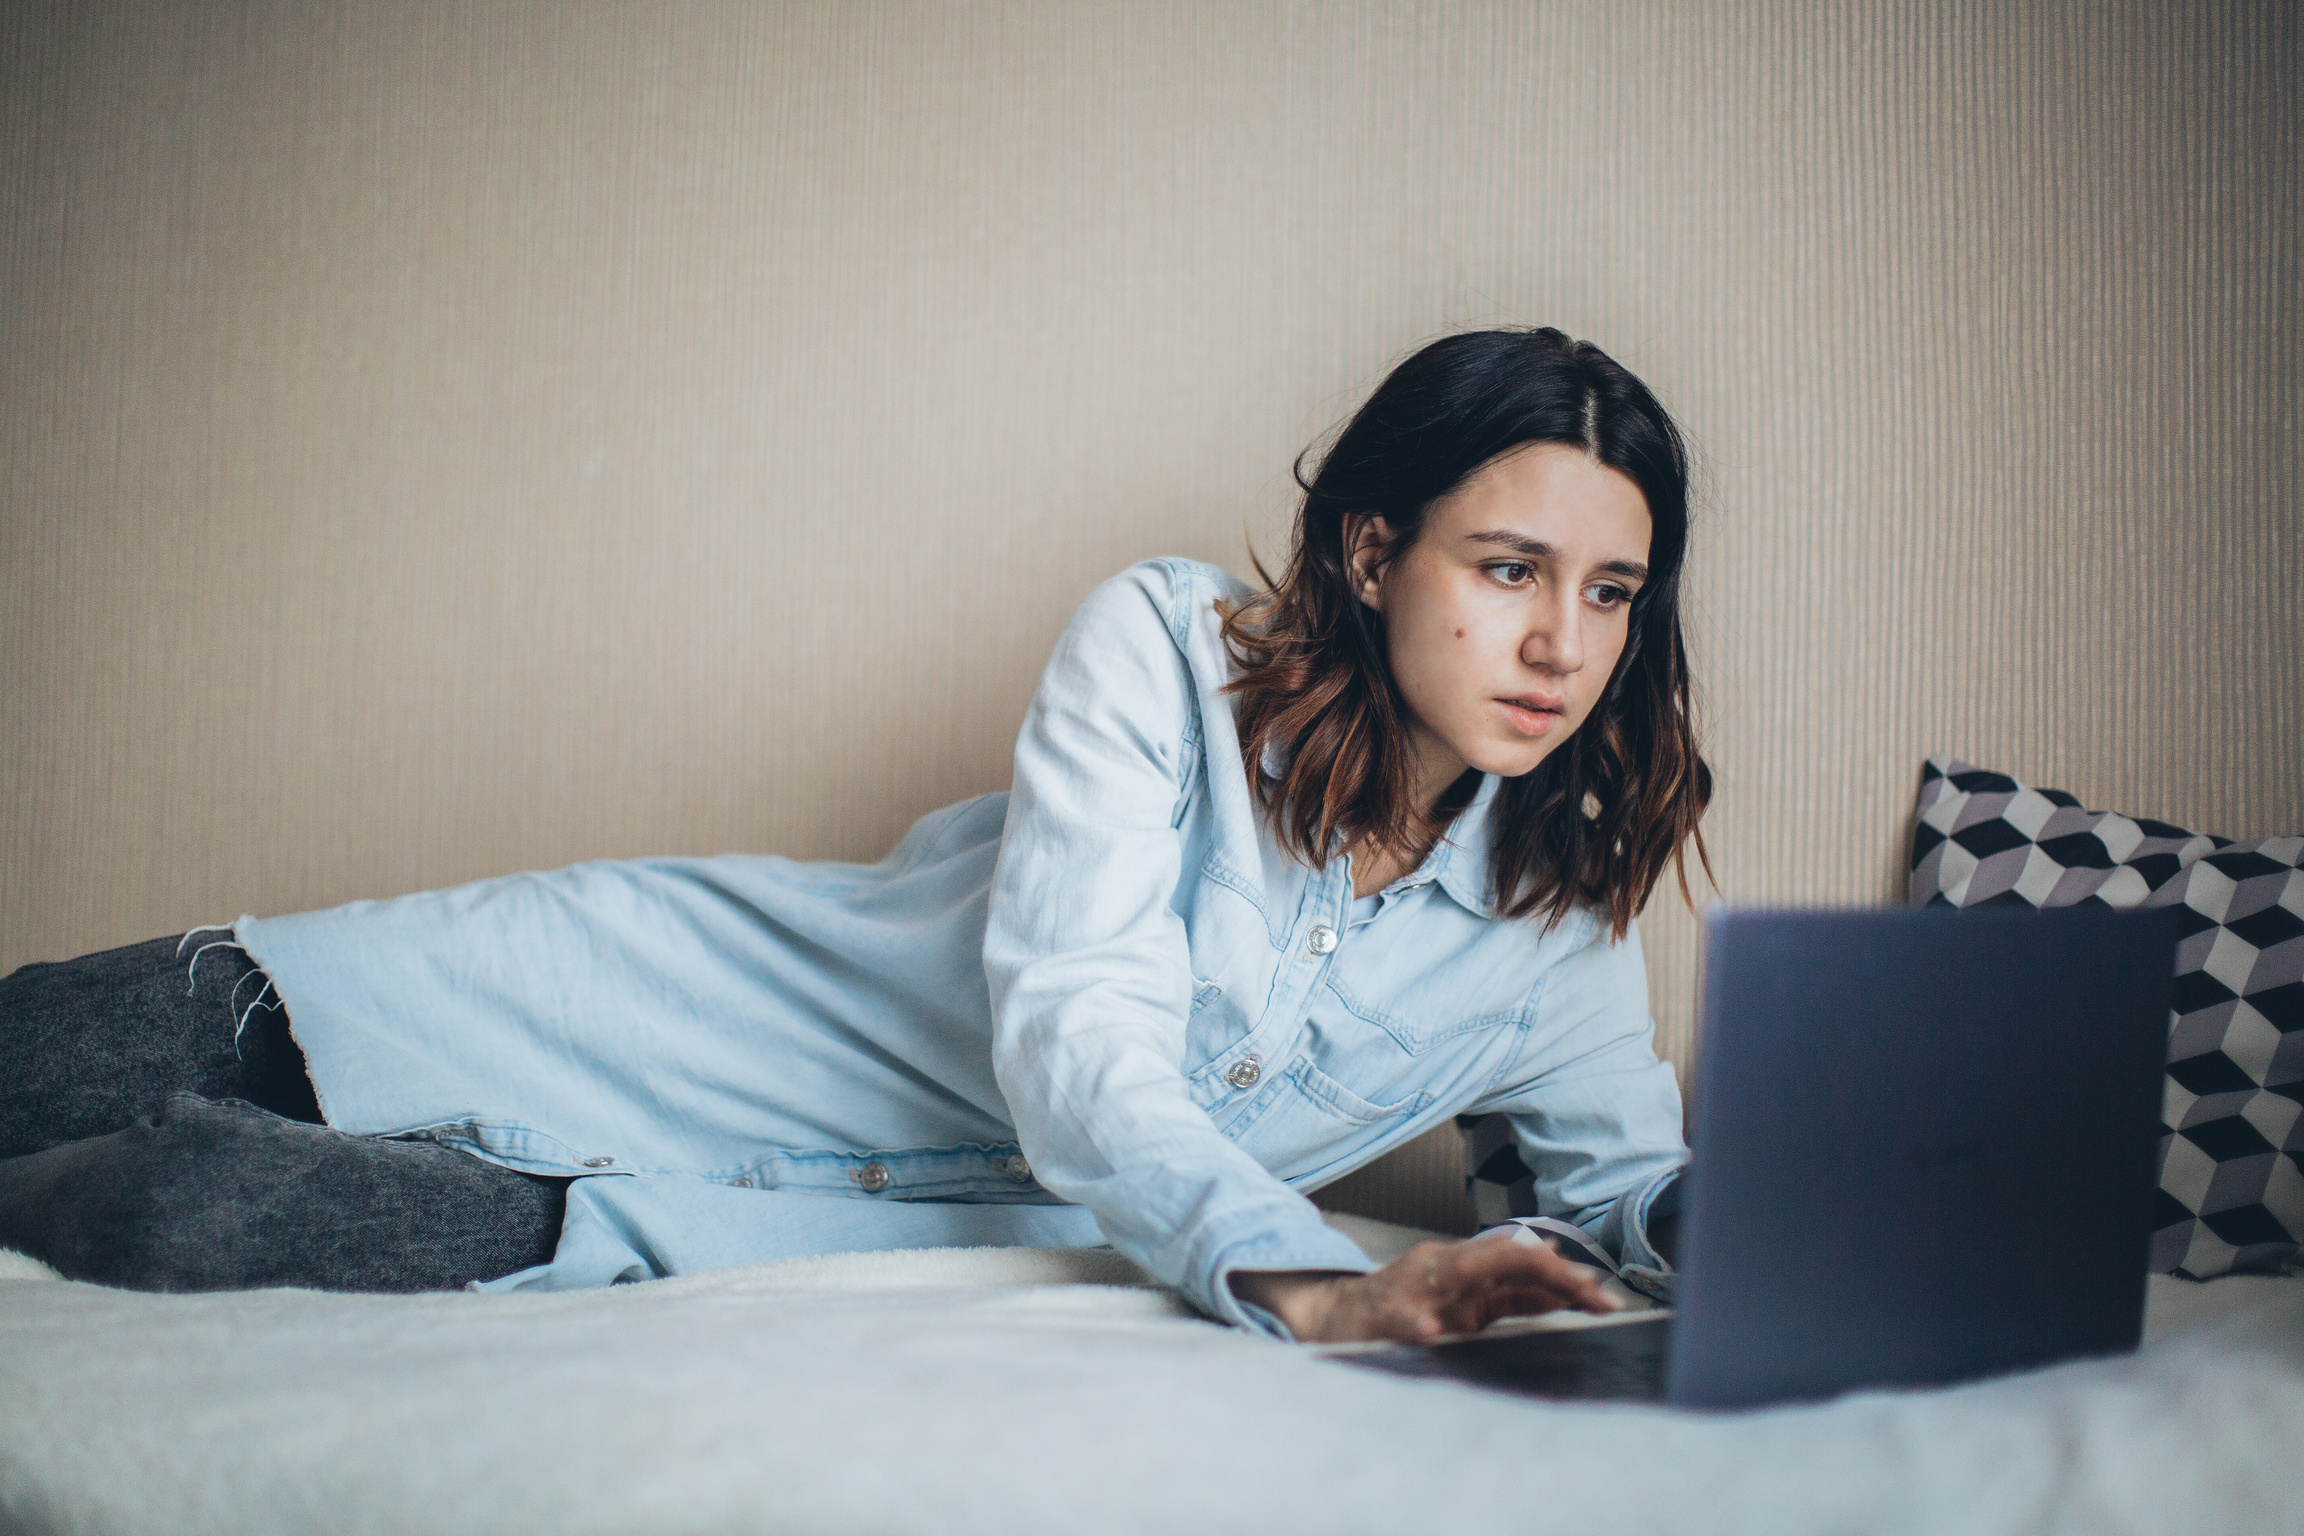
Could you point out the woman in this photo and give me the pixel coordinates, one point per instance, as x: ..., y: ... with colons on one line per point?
x: 1285, y: 879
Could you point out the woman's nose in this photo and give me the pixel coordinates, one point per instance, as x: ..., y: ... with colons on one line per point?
x: 1555, y: 641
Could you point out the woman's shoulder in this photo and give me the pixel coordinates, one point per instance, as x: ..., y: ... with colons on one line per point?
x: 1181, y: 593
x: 1144, y: 645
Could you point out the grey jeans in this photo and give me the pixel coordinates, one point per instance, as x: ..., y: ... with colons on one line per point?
x: 158, y: 1131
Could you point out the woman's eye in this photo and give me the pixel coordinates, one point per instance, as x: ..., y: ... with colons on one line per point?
x: 1607, y: 595
x: 1513, y: 573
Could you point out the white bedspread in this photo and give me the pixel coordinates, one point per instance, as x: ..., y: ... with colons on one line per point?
x: 1020, y: 1391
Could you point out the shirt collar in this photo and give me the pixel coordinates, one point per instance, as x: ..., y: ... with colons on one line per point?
x: 1460, y: 861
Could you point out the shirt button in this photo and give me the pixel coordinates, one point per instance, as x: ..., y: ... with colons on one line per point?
x: 1244, y: 1072
x: 599, y: 1162
x: 872, y: 1177
x: 1321, y: 940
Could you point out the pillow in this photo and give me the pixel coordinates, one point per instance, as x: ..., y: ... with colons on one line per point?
x: 2232, y: 1146
x: 1499, y: 1184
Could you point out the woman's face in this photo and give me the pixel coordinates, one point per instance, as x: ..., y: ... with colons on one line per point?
x: 1506, y: 615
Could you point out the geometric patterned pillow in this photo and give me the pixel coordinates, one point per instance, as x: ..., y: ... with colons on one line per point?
x: 2232, y: 1149
x: 1499, y: 1184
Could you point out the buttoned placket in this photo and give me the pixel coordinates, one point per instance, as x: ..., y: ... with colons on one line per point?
x: 1324, y: 922
x: 1416, y: 879
x: 1322, y: 917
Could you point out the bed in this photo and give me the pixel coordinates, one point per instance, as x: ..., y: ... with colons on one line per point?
x: 1020, y: 1390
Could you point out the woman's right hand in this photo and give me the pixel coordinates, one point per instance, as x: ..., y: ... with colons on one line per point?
x: 1433, y: 1288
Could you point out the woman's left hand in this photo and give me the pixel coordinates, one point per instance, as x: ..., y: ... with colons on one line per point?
x: 1433, y: 1288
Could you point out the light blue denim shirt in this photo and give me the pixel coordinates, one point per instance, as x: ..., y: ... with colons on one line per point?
x: 1102, y: 1006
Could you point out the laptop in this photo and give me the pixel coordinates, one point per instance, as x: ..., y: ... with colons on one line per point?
x: 1925, y: 1148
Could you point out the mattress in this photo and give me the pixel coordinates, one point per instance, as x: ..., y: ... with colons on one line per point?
x: 1048, y: 1390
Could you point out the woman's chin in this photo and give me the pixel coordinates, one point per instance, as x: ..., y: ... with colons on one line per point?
x: 1511, y: 759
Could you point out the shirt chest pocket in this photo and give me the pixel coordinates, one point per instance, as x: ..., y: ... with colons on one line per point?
x: 1426, y: 1015
x: 1309, y: 1128
x: 1357, y: 1078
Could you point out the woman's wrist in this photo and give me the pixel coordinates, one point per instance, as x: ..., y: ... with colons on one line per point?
x: 1297, y: 1297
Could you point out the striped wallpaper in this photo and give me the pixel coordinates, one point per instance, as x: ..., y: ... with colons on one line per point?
x: 445, y: 439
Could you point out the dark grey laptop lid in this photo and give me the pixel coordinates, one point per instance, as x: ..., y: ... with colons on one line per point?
x: 1925, y: 1144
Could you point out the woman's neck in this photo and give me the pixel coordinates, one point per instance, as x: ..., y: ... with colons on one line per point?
x: 1376, y: 866
x: 1440, y: 772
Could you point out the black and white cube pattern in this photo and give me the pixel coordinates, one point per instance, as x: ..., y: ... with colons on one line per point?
x: 1499, y: 1183
x: 2232, y: 1169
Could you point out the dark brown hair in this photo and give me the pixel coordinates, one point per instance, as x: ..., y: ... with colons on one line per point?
x: 1597, y: 821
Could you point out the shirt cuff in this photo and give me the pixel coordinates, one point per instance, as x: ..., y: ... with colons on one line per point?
x: 1312, y: 1246
x: 1623, y: 1231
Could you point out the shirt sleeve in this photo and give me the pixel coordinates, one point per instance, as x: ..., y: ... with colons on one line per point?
x: 1090, y: 970
x: 1596, y: 1117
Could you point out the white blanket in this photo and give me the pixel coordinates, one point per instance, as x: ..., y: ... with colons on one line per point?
x: 1022, y: 1391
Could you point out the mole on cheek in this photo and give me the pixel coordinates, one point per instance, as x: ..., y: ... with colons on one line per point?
x: 1459, y: 634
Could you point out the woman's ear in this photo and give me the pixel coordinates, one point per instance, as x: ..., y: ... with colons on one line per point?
x: 1367, y: 540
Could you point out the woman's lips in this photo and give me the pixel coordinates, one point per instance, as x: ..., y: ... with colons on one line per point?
x: 1530, y: 717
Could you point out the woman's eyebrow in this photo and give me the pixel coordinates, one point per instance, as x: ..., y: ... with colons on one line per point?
x: 1537, y: 549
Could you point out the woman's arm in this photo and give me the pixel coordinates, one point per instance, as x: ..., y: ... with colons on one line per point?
x: 1595, y: 1116
x: 1090, y: 970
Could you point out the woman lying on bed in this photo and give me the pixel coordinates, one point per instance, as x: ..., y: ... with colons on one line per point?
x: 1285, y: 879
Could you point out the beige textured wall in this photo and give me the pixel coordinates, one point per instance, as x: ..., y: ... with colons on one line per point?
x: 442, y: 439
